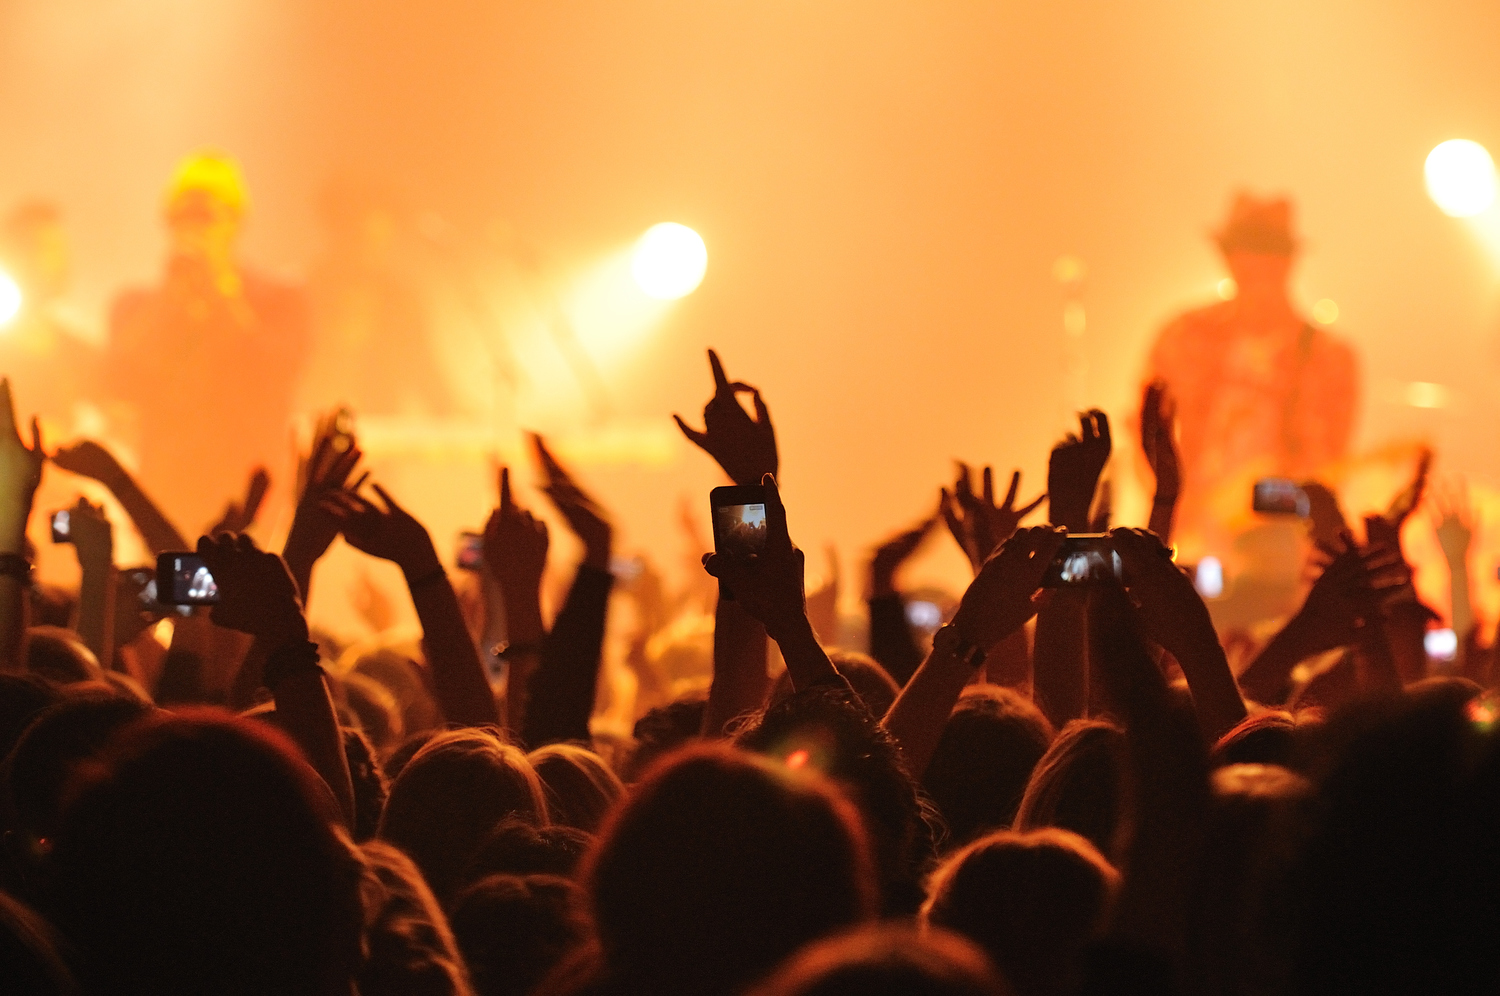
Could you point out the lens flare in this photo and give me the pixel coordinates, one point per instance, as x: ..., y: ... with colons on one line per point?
x: 669, y: 261
x: 10, y: 299
x: 1461, y: 178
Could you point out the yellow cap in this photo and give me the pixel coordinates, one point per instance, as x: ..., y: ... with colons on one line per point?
x: 213, y: 173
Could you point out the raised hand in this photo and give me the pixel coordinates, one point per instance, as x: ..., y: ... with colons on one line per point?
x: 91, y: 533
x: 1159, y: 443
x: 257, y: 594
x: 744, y: 447
x: 20, y: 465
x: 897, y: 550
x: 768, y: 585
x: 515, y: 554
x: 1074, y: 468
x: 823, y: 601
x: 323, y: 475
x: 1004, y: 593
x: 586, y: 517
x: 385, y: 530
x: 239, y: 516
x: 1405, y: 503
x: 978, y: 525
x: 88, y: 459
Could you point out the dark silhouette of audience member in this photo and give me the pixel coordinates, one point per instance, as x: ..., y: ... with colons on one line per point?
x: 514, y: 929
x: 887, y: 960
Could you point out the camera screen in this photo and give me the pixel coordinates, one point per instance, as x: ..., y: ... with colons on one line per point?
x: 192, y: 583
x: 1082, y: 563
x: 741, y: 529
x: 470, y: 551
x: 61, y: 527
x: 1279, y: 496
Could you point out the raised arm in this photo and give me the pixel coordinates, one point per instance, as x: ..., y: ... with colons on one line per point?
x: 891, y: 640
x: 744, y: 447
x: 515, y: 555
x: 1176, y: 618
x: 20, y: 473
x: 89, y: 459
x: 561, y: 693
x: 1159, y: 441
x: 94, y: 541
x: 770, y: 587
x: 258, y: 596
x: 324, y: 474
x: 998, y: 602
x: 384, y: 529
x: 1073, y: 472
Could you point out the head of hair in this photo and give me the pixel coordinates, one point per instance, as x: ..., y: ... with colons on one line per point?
x: 887, y: 960
x: 186, y: 822
x: 663, y: 729
x: 580, y: 786
x: 60, y: 656
x: 1078, y: 784
x: 1262, y: 738
x: 1034, y: 901
x: 22, y: 699
x: 211, y: 175
x: 514, y: 929
x: 51, y: 750
x: 51, y: 605
x: 473, y: 780
x: 30, y: 960
x: 374, y: 707
x: 409, y: 949
x: 872, y: 682
x: 984, y: 758
x: 828, y: 729
x: 720, y: 865
x: 516, y: 847
x: 403, y: 678
x: 370, y: 786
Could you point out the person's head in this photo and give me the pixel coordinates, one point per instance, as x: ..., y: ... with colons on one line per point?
x: 827, y: 730
x: 371, y: 789
x: 514, y: 929
x: 45, y: 758
x: 185, y: 823
x: 516, y: 847
x: 1259, y: 247
x: 408, y: 948
x: 887, y: 960
x: 720, y: 865
x: 451, y: 795
x: 580, y: 786
x: 374, y: 707
x: 205, y: 205
x: 1263, y: 738
x: 989, y: 746
x: 1077, y: 784
x: 60, y: 656
x: 22, y: 699
x: 402, y: 677
x: 663, y: 729
x: 30, y: 961
x: 871, y: 682
x: 1033, y: 901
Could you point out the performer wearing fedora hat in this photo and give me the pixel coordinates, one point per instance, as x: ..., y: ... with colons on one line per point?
x: 1259, y: 391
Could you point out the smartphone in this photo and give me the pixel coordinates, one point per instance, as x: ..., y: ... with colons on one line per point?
x: 184, y: 579
x: 1084, y: 559
x: 739, y: 513
x: 470, y: 551
x: 1280, y: 496
x: 343, y: 429
x: 924, y: 615
x: 62, y: 529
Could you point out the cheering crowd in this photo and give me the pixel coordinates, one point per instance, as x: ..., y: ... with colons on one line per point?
x: 1064, y: 788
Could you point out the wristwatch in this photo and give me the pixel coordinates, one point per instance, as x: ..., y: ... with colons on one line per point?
x: 950, y: 641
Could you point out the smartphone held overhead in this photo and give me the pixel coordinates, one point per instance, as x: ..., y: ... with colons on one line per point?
x: 1084, y: 559
x: 739, y: 515
x: 184, y: 579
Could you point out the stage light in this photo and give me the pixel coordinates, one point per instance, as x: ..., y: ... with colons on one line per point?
x: 1325, y: 312
x: 1461, y: 178
x: 1227, y: 289
x: 10, y: 299
x: 669, y: 261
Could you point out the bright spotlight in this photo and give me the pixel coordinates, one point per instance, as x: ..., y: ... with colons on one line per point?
x: 669, y: 261
x: 1461, y: 178
x: 10, y: 299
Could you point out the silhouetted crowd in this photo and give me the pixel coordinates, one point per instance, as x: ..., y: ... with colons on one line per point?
x: 1068, y: 782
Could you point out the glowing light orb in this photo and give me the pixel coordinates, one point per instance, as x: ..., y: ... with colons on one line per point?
x: 1227, y: 289
x: 669, y: 261
x: 1461, y: 178
x: 1326, y: 312
x: 10, y: 299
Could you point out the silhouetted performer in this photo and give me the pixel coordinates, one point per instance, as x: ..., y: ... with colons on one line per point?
x: 209, y: 358
x: 1259, y: 390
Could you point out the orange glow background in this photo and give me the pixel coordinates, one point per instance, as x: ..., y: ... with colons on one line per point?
x: 883, y: 188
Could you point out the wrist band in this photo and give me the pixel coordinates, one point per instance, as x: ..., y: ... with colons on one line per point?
x: 949, y: 640
x: 290, y: 661
x: 13, y: 565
